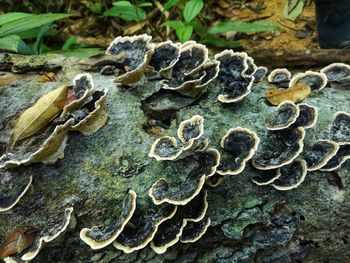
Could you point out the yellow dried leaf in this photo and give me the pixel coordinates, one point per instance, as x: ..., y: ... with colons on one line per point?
x: 297, y: 93
x: 40, y: 114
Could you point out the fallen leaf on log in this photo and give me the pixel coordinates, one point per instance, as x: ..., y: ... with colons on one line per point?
x: 39, y: 115
x: 297, y: 93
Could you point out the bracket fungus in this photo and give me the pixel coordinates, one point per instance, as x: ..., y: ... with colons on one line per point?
x: 190, y: 130
x: 142, y: 228
x: 342, y: 155
x: 317, y: 81
x: 260, y: 73
x: 165, y: 148
x: 46, y: 235
x: 233, y: 76
x: 283, y: 148
x: 318, y: 154
x: 240, y: 145
x: 279, y: 76
x: 193, y: 231
x: 287, y: 114
x: 183, y: 190
x: 292, y: 175
x: 307, y: 116
x: 8, y: 202
x: 265, y: 177
x: 170, y: 232
x: 135, y: 52
x: 98, y: 238
x: 341, y: 127
x: 337, y: 72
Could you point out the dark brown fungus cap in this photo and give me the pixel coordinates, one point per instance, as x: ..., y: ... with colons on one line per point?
x: 136, y: 52
x: 170, y: 231
x: 165, y: 148
x: 336, y: 72
x: 265, y: 177
x: 92, y: 116
x: 236, y: 84
x: 190, y: 130
x: 164, y: 57
x: 142, y: 228
x: 183, y: 190
x: 341, y: 127
x: 54, y: 230
x: 240, y: 145
x: 343, y: 154
x: 46, y: 147
x: 318, y: 154
x: 279, y: 75
x: 292, y: 176
x: 9, y: 201
x: 260, y: 73
x: 81, y: 90
x: 282, y: 148
x: 192, y: 57
x: 307, y: 116
x: 98, y: 238
x: 315, y: 80
x: 193, y: 231
x: 287, y: 114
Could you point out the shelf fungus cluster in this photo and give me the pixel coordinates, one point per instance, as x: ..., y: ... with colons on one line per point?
x: 40, y: 133
x: 285, y: 158
x: 182, y: 68
x: 283, y: 78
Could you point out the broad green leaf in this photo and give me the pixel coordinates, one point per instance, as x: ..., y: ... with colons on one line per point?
x: 69, y: 42
x: 33, y: 119
x: 294, y: 12
x: 10, y: 43
x: 242, y: 27
x: 199, y: 28
x: 170, y: 4
x: 26, y: 23
x: 79, y: 52
x: 126, y: 12
x: 220, y: 42
x: 122, y: 3
x: 173, y: 24
x: 9, y: 17
x: 192, y: 8
x: 184, y: 33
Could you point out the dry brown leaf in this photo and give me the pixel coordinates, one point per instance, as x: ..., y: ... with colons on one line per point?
x: 17, y: 240
x: 39, y: 115
x: 297, y: 93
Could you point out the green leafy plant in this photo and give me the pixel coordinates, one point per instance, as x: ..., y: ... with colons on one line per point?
x: 191, y: 24
x: 15, y: 28
x: 128, y: 11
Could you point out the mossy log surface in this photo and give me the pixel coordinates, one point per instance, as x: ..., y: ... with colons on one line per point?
x: 249, y: 223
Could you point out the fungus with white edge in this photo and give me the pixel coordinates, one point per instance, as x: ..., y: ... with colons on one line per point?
x: 341, y: 127
x: 316, y: 81
x: 8, y: 202
x: 48, y: 234
x: 240, y: 145
x: 282, y: 148
x: 260, y: 73
x: 136, y: 52
x: 265, y: 177
x: 169, y: 232
x: 141, y: 228
x: 336, y: 72
x: 165, y: 148
x: 292, y: 175
x: 287, y: 114
x: 193, y: 231
x: 342, y: 155
x: 307, y: 116
x: 279, y: 75
x: 190, y: 130
x: 318, y: 154
x: 98, y: 238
